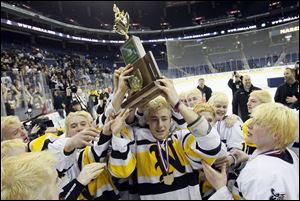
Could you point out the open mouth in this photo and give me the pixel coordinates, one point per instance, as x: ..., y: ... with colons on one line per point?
x: 221, y: 114
x: 26, y: 139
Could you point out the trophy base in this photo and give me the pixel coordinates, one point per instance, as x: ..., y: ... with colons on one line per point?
x: 142, y: 97
x: 150, y: 73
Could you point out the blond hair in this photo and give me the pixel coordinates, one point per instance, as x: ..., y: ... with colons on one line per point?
x: 195, y: 92
x: 218, y: 97
x: 82, y: 113
x: 8, y: 147
x: 28, y: 177
x: 156, y: 104
x: 262, y: 95
x: 280, y: 121
x: 7, y: 121
x: 204, y: 107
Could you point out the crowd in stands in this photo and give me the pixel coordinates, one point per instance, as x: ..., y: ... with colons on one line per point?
x: 28, y: 80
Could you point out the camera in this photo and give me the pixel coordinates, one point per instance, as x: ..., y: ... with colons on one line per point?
x: 43, y: 123
x: 73, y: 89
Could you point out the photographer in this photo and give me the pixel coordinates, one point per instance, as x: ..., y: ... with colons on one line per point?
x: 73, y: 101
x: 102, y: 102
x: 39, y: 126
x: 235, y: 83
x: 58, y: 103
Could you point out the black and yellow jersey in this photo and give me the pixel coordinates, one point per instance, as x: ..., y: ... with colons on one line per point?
x: 137, y: 150
x: 248, y: 147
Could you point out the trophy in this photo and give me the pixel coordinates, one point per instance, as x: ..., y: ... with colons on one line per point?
x: 145, y: 69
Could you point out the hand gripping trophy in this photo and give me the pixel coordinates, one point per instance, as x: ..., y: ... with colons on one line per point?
x: 145, y: 67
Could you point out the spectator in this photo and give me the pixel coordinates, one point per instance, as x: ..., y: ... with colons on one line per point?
x: 58, y: 103
x: 235, y: 83
x: 29, y: 176
x: 288, y: 92
x: 297, y: 70
x: 240, y: 98
x: 205, y: 90
x: 76, y: 106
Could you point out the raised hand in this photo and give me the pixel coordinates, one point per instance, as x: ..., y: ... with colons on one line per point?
x: 119, y: 122
x: 90, y: 172
x: 123, y: 77
x: 107, y: 125
x: 35, y: 129
x: 116, y: 77
x: 82, y: 139
x: 167, y: 86
x: 215, y: 178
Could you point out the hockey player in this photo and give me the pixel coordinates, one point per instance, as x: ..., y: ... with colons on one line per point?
x: 165, y: 159
x: 272, y: 172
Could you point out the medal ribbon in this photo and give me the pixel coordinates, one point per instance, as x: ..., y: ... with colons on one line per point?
x: 271, y: 153
x: 164, y: 162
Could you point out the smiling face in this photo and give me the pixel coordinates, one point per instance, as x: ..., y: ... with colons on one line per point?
x: 289, y: 75
x: 247, y: 82
x: 220, y: 109
x: 159, y: 123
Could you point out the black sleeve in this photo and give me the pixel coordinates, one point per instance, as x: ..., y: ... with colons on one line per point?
x: 208, y: 95
x: 278, y: 95
x: 72, y: 190
x: 235, y: 104
x: 230, y: 84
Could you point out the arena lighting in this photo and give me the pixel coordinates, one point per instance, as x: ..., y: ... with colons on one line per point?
x: 285, y: 20
x: 58, y: 34
x: 289, y: 30
x: 241, y: 29
x: 25, y: 26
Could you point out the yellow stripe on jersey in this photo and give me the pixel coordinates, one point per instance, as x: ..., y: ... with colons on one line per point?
x: 102, y: 180
x: 125, y: 132
x: 245, y: 132
x: 188, y: 149
x: 236, y: 197
x: 38, y: 143
x: 123, y: 171
x: 150, y: 160
x: 180, y: 153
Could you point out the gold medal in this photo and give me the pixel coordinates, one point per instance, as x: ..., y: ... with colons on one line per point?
x: 168, y: 179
